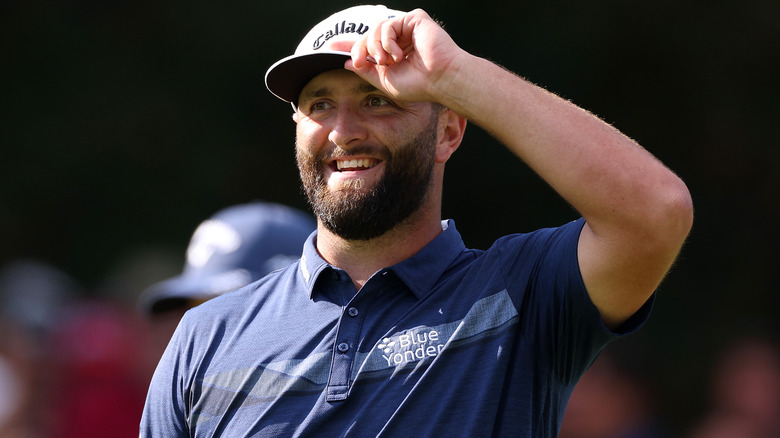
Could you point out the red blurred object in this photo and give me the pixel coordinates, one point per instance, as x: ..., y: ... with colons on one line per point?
x: 100, y: 386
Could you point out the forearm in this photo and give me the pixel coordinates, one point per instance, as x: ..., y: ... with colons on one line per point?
x: 638, y: 213
x: 615, y: 184
x: 605, y: 175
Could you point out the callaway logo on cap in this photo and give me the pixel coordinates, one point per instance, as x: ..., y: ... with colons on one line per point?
x: 287, y: 77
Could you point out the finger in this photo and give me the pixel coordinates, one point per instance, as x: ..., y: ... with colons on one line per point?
x: 390, y: 33
x: 368, y: 71
x: 359, y: 53
x: 374, y: 45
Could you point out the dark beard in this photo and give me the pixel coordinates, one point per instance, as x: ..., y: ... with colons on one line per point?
x: 356, y: 215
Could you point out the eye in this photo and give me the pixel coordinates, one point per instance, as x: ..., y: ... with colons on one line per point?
x: 320, y: 105
x: 378, y: 101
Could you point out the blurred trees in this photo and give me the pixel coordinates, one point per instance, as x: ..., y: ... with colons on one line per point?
x: 123, y: 124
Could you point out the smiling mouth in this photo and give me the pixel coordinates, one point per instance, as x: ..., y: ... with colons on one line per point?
x: 353, y: 165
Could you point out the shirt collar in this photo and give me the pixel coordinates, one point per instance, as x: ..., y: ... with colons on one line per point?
x: 312, y: 264
x: 419, y: 272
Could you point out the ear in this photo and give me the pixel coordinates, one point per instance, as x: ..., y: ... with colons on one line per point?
x: 451, y: 128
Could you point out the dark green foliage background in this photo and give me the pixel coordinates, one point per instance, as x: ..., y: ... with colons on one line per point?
x: 123, y: 124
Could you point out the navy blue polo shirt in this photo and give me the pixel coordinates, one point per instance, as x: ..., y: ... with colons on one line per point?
x: 450, y: 342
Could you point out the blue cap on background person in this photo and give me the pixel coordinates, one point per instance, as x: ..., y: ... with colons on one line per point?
x: 234, y: 247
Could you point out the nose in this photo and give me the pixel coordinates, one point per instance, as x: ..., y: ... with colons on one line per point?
x: 349, y: 127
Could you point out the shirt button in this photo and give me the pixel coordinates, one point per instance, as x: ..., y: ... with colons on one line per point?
x: 343, y: 347
x: 353, y: 312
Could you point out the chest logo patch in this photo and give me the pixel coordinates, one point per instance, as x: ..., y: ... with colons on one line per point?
x: 411, y: 347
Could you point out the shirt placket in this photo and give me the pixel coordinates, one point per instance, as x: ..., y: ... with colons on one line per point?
x: 345, y: 348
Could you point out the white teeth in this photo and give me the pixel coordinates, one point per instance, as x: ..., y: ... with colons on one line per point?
x: 353, y: 164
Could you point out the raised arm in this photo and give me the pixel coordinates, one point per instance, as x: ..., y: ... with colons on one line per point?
x: 638, y: 213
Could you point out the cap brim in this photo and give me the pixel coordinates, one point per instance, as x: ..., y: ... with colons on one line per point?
x: 179, y: 291
x: 169, y: 294
x: 287, y: 77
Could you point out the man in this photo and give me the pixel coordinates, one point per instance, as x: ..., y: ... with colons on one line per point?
x: 388, y: 325
x: 230, y: 249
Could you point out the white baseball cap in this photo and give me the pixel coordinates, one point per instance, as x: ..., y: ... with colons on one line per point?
x: 287, y: 77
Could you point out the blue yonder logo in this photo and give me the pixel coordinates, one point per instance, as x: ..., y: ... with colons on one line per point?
x: 411, y: 347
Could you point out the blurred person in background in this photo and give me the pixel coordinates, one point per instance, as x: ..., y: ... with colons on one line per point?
x: 104, y: 351
x: 745, y: 398
x: 98, y: 364
x: 73, y: 365
x: 33, y: 298
x: 17, y: 379
x: 235, y: 246
x: 614, y: 399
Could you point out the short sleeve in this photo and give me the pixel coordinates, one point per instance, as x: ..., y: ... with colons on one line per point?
x: 557, y: 316
x: 165, y: 413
